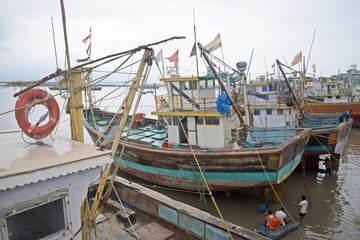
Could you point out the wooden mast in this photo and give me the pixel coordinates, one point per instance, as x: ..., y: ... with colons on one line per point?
x: 75, y: 90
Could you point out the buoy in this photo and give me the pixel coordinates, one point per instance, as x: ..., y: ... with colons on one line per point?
x: 26, y: 102
x: 167, y: 145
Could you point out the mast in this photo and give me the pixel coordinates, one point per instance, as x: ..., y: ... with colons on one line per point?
x: 130, y: 98
x: 290, y: 89
x: 75, y: 90
x: 196, y: 55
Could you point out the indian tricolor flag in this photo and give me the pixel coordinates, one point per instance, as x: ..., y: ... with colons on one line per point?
x: 297, y: 59
x: 215, y: 44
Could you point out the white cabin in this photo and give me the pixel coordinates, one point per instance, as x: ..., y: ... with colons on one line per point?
x: 267, y: 106
x: 43, y: 186
x: 193, y: 101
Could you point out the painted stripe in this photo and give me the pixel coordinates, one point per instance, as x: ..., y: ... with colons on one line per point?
x: 319, y: 148
x: 239, y: 176
x: 291, y: 165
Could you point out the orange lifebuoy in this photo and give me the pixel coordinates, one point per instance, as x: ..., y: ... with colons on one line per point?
x: 26, y: 102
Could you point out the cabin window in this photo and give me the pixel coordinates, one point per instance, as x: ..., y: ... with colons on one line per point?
x: 169, y: 120
x: 199, y: 120
x: 264, y: 88
x: 40, y: 220
x: 338, y: 97
x: 272, y: 88
x: 189, y: 85
x: 211, y: 120
x: 193, y: 85
x: 256, y: 111
x: 280, y: 111
x: 211, y: 83
x: 329, y: 97
x: 185, y: 85
x: 175, y: 120
x: 204, y: 84
x: 268, y: 111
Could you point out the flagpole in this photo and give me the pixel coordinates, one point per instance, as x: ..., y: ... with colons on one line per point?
x: 196, y: 55
x: 222, y: 53
x: 312, y: 42
x: 56, y: 57
x: 163, y: 65
x: 90, y: 44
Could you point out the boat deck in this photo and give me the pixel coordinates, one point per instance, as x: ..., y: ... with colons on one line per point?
x: 145, y: 225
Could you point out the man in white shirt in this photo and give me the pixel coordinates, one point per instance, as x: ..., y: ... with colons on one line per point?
x: 303, y: 207
x: 281, y: 215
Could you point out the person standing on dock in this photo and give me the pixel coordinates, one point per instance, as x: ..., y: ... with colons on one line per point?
x: 303, y: 207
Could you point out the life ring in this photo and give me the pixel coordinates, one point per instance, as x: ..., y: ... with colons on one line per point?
x: 26, y: 102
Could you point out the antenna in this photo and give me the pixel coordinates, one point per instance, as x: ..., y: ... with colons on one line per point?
x: 56, y: 58
x: 252, y: 53
x: 307, y: 64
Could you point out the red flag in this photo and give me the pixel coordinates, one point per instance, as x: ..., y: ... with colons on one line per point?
x: 175, y: 57
x: 86, y: 39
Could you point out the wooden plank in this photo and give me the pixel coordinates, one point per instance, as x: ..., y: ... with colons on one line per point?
x: 115, y: 206
x: 154, y: 231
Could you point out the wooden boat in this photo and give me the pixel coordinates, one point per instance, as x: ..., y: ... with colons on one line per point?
x: 151, y: 153
x: 277, y: 234
x: 272, y: 105
x: 340, y: 93
x: 329, y: 135
x: 192, y: 146
x: 318, y: 107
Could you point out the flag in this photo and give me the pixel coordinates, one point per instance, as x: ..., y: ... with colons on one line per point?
x: 159, y: 56
x: 297, y: 59
x: 215, y: 44
x: 86, y: 39
x: 193, y: 50
x: 174, y: 58
x: 273, y: 67
x: 313, y: 68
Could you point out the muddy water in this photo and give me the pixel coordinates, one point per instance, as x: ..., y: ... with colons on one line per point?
x: 335, y: 200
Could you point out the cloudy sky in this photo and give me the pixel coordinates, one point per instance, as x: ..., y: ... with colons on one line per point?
x: 275, y: 29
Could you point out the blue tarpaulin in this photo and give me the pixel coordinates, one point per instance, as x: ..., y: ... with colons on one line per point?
x: 223, y: 104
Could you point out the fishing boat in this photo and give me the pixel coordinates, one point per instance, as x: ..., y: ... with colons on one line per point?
x: 199, y: 140
x: 271, y: 103
x: 337, y: 94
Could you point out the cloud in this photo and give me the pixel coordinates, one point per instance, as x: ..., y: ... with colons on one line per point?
x: 274, y: 29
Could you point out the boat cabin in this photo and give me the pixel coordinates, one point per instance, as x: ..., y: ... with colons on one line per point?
x: 269, y: 106
x: 42, y: 186
x: 192, y: 101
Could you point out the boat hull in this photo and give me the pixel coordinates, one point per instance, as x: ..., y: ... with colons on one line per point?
x: 329, y: 140
x: 317, y: 107
x: 223, y: 169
